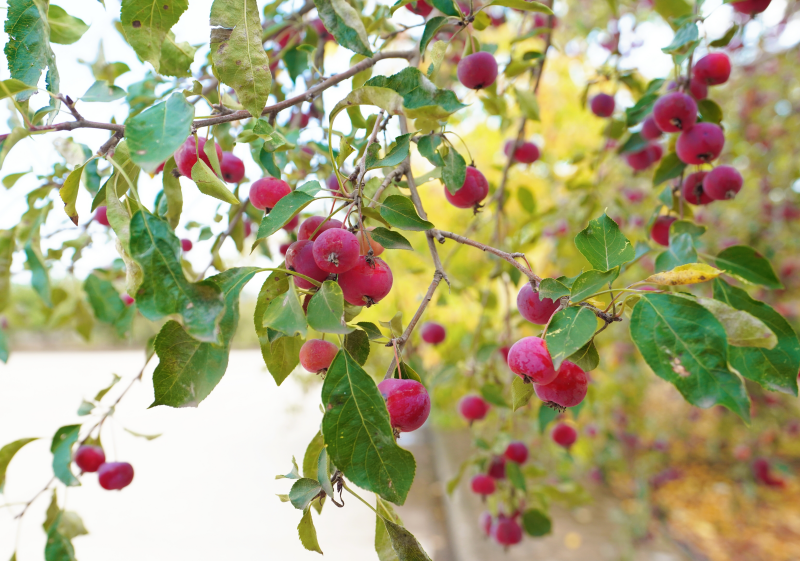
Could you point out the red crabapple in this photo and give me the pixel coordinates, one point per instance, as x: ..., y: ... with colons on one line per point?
x: 485, y: 522
x: 316, y: 355
x: 497, y: 467
x: 530, y: 360
x: 284, y: 248
x: 568, y: 389
x: 483, y: 485
x: 650, y: 130
x: 232, y: 168
x: 367, y: 242
x: 763, y: 474
x: 248, y: 228
x: 564, y: 435
x: 89, y: 458
x: 698, y: 89
x: 675, y: 112
x: 365, y: 284
x: 471, y: 193
x: 504, y: 351
x: 285, y: 35
x: 186, y: 244
x: 333, y: 183
x: 336, y: 250
x: 473, y: 407
x: 713, y: 69
x: 693, y: 190
x: 433, y: 333
x: 700, y: 144
x: 750, y: 7
x: 644, y: 158
x: 408, y: 403
x: 541, y: 20
x: 516, y: 452
x: 159, y: 169
x: 420, y: 7
x: 300, y: 258
x: 722, y: 183
x: 114, y: 476
x: 321, y: 30
x: 478, y: 70
x: 526, y: 152
x: 186, y: 155
x: 101, y: 215
x: 312, y: 227
x: 533, y: 307
x: 506, y: 531
x: 603, y: 105
x: 292, y: 224
x: 127, y: 299
x: 660, y: 230
x: 267, y: 191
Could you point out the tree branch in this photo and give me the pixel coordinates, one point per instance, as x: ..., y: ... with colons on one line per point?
x: 510, y: 257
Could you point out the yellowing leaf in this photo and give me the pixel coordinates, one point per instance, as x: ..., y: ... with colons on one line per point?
x: 692, y: 273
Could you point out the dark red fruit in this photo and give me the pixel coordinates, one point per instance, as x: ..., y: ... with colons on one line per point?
x: 312, y: 227
x: 750, y: 7
x: 530, y: 360
x: 407, y: 401
x: 333, y: 183
x: 420, y: 7
x: 483, y: 484
x: 564, y: 435
x: 471, y: 193
x: 186, y: 156
x: 186, y: 245
x: 603, y: 105
x: 516, y: 452
x: 473, y: 407
x: 506, y: 531
x: 321, y: 30
x: 541, y: 20
x: 660, y: 230
x: 128, y: 300
x: 114, y: 476
x: 232, y: 168
x: 90, y: 458
x: 286, y: 35
x: 433, y: 333
x: 336, y: 250
x: 300, y: 258
x: 101, y: 215
x: 700, y: 144
x: 713, y: 69
x: 722, y: 183
x: 534, y: 308
x: 477, y: 71
x: 485, y: 520
x: 698, y: 89
x: 497, y: 467
x: 316, y: 355
x: 650, y: 130
x: 365, y: 284
x: 568, y: 389
x: 160, y: 168
x: 291, y: 225
x: 526, y: 152
x: 763, y: 474
x: 675, y: 112
x: 645, y: 158
x: 284, y: 247
x: 267, y: 191
x: 693, y: 191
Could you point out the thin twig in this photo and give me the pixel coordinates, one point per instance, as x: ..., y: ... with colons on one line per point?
x: 510, y: 257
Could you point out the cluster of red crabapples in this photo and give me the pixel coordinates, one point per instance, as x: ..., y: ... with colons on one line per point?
x: 112, y: 476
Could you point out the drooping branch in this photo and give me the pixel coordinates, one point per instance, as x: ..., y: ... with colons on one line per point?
x: 506, y: 256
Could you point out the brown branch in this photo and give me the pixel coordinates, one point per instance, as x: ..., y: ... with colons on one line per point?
x: 510, y: 257
x: 396, y: 173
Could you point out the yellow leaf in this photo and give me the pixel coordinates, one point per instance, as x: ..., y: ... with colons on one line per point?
x: 692, y: 273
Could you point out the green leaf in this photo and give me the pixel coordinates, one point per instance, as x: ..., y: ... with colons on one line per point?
x: 104, y: 299
x: 569, y: 330
x: 372, y: 330
x: 522, y: 5
x: 344, y: 23
x: 156, y: 133
x: 553, y: 289
x: 399, y: 211
x: 165, y: 290
x: 307, y: 532
x: 188, y: 370
x: 211, y: 185
x: 357, y: 344
x: 670, y: 167
x: 725, y: 39
x: 58, y: 546
x: 634, y: 143
x: 545, y: 416
x: 326, y: 310
x: 586, y: 357
x: 312, y: 455
x: 421, y: 98
x: 61, y: 447
x: 238, y: 54
x: 396, y: 154
x: 432, y: 27
x: 172, y: 191
x: 40, y: 279
x: 493, y: 393
x: 681, y: 251
x: 69, y: 193
x: 775, y: 369
x: 454, y: 172
x: 12, y: 87
x: 7, y: 453
x: 685, y: 345
x: 303, y: 492
x: 358, y: 433
x: 64, y: 28
x: 390, y: 239
x: 749, y: 265
x: 285, y: 314
x: 280, y: 355
x: 528, y: 103
x: 145, y: 24
x: 176, y: 58
x: 404, y: 543
x: 685, y: 36
x: 592, y: 281
x: 604, y: 245
x: 521, y: 393
x: 16, y: 134
x: 742, y: 328
x: 4, y: 350
x: 383, y: 544
x: 11, y: 179
x: 447, y: 7
x: 642, y: 108
x: 710, y: 111
x: 28, y: 50
x: 427, y: 145
x: 669, y: 9
x: 407, y: 372
x: 287, y: 208
x: 536, y: 523
x: 526, y: 200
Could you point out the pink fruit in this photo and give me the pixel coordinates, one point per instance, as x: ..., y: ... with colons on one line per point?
x: 698, y: 89
x: 516, y: 452
x: 471, y: 193
x: 336, y: 250
x: 365, y: 284
x: 333, y: 183
x: 506, y: 531
x: 722, y: 183
x: 568, y: 389
x: 533, y: 307
x: 564, y: 435
x: 602, y: 105
x: 763, y: 474
x: 232, y: 168
x: 284, y: 248
x: 407, y: 401
x: 89, y: 458
x: 713, y: 69
x: 526, y: 152
x: 114, y: 476
x: 659, y: 233
x: 477, y: 71
x: 316, y: 355
x: 485, y: 522
x: 266, y: 192
x: 127, y: 300
x: 675, y: 112
x: 433, y: 333
x: 750, y: 7
x: 292, y: 224
x: 300, y: 258
x: 483, y: 485
x: 650, y: 130
x: 700, y: 144
x: 312, y: 227
x: 420, y: 7
x: 530, y: 360
x: 497, y: 467
x: 101, y: 215
x: 693, y: 191
x: 504, y: 351
x: 321, y: 30
x: 186, y: 156
x: 473, y: 407
x: 644, y: 158
x: 186, y: 245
